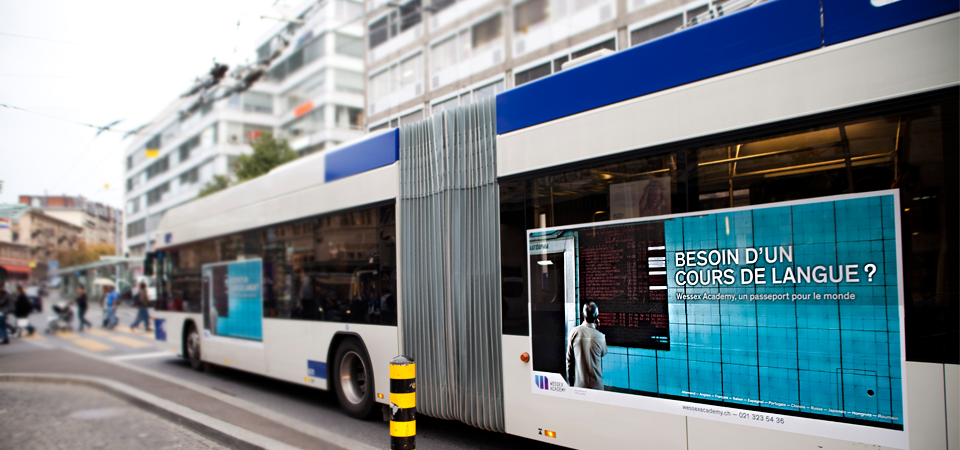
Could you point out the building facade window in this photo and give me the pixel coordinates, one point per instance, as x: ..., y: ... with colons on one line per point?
x: 411, y: 70
x: 394, y: 22
x: 158, y: 167
x: 349, y: 117
x: 609, y: 44
x: 302, y: 56
x: 443, y: 55
x: 136, y: 228
x: 348, y: 45
x: 133, y: 206
x: 258, y: 102
x: 530, y: 13
x: 155, y: 195
x: 550, y: 67
x: 487, y: 31
x: 307, y: 124
x: 190, y: 177
x: 348, y: 81
x: 187, y: 147
x: 533, y: 73
x: 305, y: 91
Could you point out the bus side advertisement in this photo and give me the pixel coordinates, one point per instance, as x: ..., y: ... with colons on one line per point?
x: 785, y: 316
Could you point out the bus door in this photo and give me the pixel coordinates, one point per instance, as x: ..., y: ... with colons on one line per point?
x: 553, y: 308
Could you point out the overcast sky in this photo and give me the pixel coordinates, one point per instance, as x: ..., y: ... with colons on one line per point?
x: 96, y: 62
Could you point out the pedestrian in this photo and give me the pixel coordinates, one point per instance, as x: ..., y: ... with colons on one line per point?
x: 587, y: 348
x: 22, y: 309
x: 5, y: 307
x: 81, y: 302
x: 111, y: 301
x: 142, y: 300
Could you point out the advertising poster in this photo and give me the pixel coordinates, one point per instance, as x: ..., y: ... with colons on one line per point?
x: 785, y: 316
x: 233, y: 300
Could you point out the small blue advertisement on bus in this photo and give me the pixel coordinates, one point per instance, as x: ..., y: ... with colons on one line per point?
x: 784, y: 316
x: 232, y: 298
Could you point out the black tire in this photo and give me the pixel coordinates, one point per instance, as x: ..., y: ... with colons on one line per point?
x: 353, y: 379
x: 191, y: 347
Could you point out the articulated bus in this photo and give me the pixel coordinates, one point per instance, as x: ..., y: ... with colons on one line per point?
x: 753, y: 222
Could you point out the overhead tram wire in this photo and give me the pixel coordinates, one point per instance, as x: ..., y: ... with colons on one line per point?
x: 70, y: 167
x: 97, y: 166
x: 85, y: 150
x: 99, y: 128
x: 42, y: 39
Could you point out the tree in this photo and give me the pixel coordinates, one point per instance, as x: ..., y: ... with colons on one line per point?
x: 83, y: 254
x: 268, y: 152
x: 219, y: 183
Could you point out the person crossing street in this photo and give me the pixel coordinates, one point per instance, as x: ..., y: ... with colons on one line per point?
x: 111, y: 302
x: 22, y: 309
x: 81, y: 302
x: 142, y: 301
x: 6, y: 306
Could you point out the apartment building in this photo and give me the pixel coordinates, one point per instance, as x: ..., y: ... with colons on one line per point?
x: 311, y: 94
x: 193, y: 147
x: 317, y: 73
x: 426, y: 56
x: 101, y: 223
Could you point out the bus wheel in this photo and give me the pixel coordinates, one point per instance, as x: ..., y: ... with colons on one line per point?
x: 353, y: 379
x: 193, y: 348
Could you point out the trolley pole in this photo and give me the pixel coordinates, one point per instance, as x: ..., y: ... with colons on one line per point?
x: 403, y: 404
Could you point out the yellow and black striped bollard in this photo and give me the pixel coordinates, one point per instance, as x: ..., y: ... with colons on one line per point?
x: 403, y: 404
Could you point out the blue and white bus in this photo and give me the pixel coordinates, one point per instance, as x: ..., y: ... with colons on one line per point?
x: 762, y: 211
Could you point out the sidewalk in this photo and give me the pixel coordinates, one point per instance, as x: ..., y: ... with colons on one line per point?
x: 237, y: 418
x: 44, y: 416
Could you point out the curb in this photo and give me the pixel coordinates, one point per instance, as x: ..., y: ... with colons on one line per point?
x: 331, y: 438
x: 213, y: 428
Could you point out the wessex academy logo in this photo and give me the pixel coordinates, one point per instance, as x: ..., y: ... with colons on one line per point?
x: 542, y: 382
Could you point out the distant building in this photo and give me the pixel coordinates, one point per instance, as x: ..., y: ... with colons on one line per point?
x: 427, y: 56
x: 14, y: 263
x: 43, y: 235
x: 101, y: 223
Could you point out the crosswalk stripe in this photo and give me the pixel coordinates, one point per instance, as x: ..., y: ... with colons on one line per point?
x: 69, y: 335
x: 138, y: 332
x: 129, y: 342
x: 91, y: 345
x: 97, y: 332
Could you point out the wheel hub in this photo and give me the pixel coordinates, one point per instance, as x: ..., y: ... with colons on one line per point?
x: 353, y: 377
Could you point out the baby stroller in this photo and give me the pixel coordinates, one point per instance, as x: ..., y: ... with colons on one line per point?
x: 62, y: 320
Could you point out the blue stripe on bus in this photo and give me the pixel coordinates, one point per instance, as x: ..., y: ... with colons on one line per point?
x: 844, y: 20
x: 316, y: 369
x: 763, y: 33
x: 368, y: 154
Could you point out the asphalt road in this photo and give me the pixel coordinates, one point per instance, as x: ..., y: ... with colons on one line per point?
x: 314, y: 406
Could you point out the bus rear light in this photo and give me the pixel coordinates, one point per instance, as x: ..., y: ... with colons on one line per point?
x: 549, y: 433
x: 379, y: 395
x: 525, y: 357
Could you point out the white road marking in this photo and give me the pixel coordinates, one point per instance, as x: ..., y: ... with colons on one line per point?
x: 143, y: 356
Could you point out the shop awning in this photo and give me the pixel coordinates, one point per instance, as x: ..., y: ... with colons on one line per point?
x: 16, y: 269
